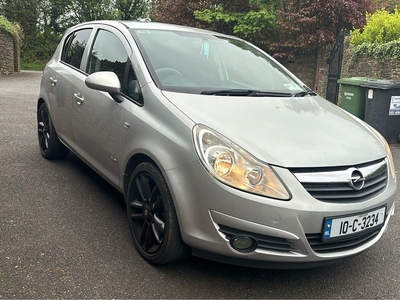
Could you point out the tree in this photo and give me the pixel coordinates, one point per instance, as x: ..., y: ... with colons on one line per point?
x: 53, y: 15
x: 43, y: 21
x: 182, y: 12
x: 388, y: 5
x: 243, y: 23
x: 279, y: 26
x: 254, y: 22
x: 23, y: 12
x: 131, y: 9
x: 13, y: 28
x: 382, y: 27
x: 90, y: 10
x: 299, y: 24
x: 305, y: 24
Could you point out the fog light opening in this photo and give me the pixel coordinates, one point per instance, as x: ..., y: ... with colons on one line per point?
x: 243, y: 243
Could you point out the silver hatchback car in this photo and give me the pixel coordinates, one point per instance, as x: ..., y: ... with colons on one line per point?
x: 216, y: 147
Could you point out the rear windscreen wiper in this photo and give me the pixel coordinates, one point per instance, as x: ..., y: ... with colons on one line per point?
x: 245, y: 92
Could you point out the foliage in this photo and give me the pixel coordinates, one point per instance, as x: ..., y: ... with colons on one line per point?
x: 311, y: 23
x: 44, y: 21
x: 89, y: 10
x: 382, y: 27
x: 279, y: 26
x: 380, y: 38
x: 53, y: 16
x: 23, y: 12
x: 389, y: 5
x: 13, y: 28
x: 250, y: 19
x: 380, y: 52
x: 131, y: 9
x: 27, y: 14
x: 182, y: 12
x: 33, y: 66
x: 40, y: 48
x: 244, y: 23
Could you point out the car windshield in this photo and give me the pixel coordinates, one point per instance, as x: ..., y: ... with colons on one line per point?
x: 212, y: 65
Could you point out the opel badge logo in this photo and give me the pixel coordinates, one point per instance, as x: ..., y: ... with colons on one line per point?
x: 356, y: 179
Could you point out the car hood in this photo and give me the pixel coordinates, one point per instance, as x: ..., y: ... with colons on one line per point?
x: 288, y: 132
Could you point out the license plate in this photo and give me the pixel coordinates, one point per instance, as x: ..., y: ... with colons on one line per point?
x: 343, y: 226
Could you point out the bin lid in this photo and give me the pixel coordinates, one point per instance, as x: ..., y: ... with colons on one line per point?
x: 354, y: 80
x: 382, y: 84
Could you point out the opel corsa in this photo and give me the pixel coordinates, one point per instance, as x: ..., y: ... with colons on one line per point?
x: 217, y: 148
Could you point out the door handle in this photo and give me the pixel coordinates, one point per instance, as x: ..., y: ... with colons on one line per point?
x: 53, y: 81
x: 79, y: 98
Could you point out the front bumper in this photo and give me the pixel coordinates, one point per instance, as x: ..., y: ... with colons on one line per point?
x: 209, y: 212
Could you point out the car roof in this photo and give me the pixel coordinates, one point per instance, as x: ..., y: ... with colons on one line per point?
x: 153, y: 25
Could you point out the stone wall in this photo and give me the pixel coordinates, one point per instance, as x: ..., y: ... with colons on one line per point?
x: 321, y: 72
x: 367, y: 66
x: 303, y: 66
x: 312, y: 68
x: 9, y: 54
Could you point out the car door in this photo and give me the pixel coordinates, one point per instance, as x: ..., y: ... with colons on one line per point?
x: 96, y: 117
x: 60, y: 76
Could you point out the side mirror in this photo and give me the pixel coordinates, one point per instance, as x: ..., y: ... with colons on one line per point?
x: 105, y: 81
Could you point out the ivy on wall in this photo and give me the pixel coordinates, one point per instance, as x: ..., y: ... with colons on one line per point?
x: 380, y: 37
x: 13, y: 28
x: 387, y: 51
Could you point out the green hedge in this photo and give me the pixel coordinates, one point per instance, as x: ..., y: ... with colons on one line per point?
x: 381, y: 27
x: 380, y: 37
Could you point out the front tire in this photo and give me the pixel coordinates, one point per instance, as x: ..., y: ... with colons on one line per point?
x: 49, y: 143
x: 152, y: 218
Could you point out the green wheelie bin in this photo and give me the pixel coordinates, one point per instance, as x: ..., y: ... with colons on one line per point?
x: 353, y: 95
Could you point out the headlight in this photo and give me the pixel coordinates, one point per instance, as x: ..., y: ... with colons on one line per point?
x: 388, y: 151
x: 390, y: 158
x: 235, y: 167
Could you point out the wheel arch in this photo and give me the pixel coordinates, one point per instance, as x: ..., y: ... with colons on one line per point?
x: 171, y: 246
x: 133, y: 162
x: 39, y: 102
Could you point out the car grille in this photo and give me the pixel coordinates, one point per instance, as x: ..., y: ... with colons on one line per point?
x: 264, y: 241
x: 319, y: 246
x: 334, y: 184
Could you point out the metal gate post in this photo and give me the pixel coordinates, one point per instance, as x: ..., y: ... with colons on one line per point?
x: 335, y: 67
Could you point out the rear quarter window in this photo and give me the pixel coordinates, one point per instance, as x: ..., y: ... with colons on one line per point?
x: 74, y: 47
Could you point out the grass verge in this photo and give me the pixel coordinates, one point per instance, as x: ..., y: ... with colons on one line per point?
x: 32, y: 66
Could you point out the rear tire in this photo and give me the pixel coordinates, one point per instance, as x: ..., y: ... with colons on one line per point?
x: 152, y: 218
x: 49, y: 143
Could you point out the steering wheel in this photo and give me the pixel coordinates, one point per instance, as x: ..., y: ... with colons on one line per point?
x: 163, y: 73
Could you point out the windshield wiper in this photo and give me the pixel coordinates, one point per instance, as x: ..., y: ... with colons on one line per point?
x: 245, y: 92
x: 304, y: 93
x: 307, y: 92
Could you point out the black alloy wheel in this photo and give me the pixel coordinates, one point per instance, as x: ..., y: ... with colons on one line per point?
x: 49, y: 143
x: 152, y: 217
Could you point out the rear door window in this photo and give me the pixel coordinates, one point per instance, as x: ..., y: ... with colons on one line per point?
x: 74, y: 47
